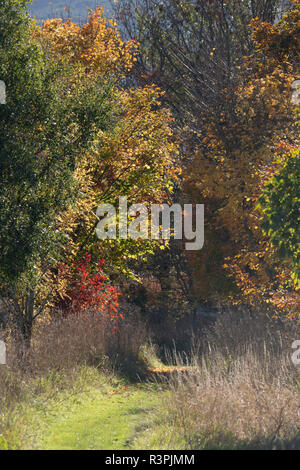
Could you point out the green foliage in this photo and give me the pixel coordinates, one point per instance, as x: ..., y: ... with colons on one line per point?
x: 281, y: 204
x: 3, y: 443
x: 49, y: 120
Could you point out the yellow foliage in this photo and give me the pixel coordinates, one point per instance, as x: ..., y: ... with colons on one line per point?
x: 136, y: 156
x: 96, y: 45
x: 233, y: 155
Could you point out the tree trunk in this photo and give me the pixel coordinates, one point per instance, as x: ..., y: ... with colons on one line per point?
x: 22, y: 318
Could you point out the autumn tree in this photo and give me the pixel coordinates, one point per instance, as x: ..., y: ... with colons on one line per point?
x: 277, y: 48
x: 71, y: 138
x: 280, y: 203
x: 135, y: 158
x: 229, y: 84
x: 192, y: 49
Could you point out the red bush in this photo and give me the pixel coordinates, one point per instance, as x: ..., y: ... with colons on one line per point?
x: 89, y: 289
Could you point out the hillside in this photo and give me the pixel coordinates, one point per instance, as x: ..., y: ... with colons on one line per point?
x: 43, y: 9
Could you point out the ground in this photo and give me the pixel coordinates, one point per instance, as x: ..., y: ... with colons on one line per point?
x: 112, y: 415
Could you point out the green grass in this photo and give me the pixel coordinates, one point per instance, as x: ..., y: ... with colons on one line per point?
x: 107, y: 416
x: 84, y: 408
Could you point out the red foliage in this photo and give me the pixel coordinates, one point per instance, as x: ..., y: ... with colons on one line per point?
x: 89, y: 289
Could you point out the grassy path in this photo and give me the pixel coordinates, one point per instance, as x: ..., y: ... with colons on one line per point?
x: 105, y: 418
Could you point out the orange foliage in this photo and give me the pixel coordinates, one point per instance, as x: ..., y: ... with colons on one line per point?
x: 135, y: 155
x: 232, y: 156
x: 96, y: 45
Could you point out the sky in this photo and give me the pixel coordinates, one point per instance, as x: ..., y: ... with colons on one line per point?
x: 43, y: 9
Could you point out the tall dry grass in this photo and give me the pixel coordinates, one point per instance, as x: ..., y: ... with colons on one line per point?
x: 67, y: 354
x: 243, y: 390
x: 85, y: 338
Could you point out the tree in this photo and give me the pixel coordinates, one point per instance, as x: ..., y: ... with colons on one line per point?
x: 135, y: 158
x: 192, y: 49
x: 71, y: 138
x: 229, y: 86
x: 281, y: 204
x: 48, y: 121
